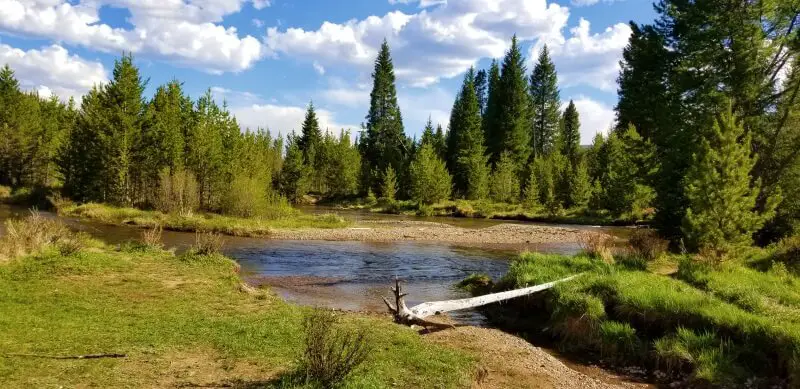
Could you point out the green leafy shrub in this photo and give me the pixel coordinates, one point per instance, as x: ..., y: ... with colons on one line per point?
x: 331, y: 352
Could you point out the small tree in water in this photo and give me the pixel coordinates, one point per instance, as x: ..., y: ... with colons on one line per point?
x: 721, y: 197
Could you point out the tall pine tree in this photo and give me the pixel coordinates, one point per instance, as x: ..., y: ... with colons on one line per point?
x: 545, y: 104
x: 570, y: 138
x: 384, y: 143
x: 491, y: 115
x: 513, y: 125
x: 466, y: 152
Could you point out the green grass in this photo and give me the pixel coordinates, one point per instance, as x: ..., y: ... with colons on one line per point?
x: 483, y: 210
x: 181, y: 321
x: 203, y: 222
x: 664, y: 322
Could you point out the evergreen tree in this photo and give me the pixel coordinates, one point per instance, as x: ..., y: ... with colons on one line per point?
x: 531, y: 194
x: 625, y: 190
x: 505, y: 187
x: 594, y: 157
x: 481, y: 89
x: 294, y: 178
x: 721, y: 194
x: 310, y: 143
x: 513, y: 126
x: 204, y: 149
x: 430, y: 181
x: 570, y: 138
x: 384, y: 143
x: 389, y: 184
x: 343, y: 169
x: 161, y: 144
x: 80, y: 161
x: 546, y: 178
x: 122, y: 126
x: 580, y: 186
x: 439, y: 142
x: 491, y: 115
x: 546, y: 102
x: 465, y: 143
x: 428, y: 136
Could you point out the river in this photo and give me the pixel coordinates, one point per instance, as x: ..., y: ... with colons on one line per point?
x: 345, y: 275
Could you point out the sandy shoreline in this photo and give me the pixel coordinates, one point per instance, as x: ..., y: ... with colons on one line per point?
x: 419, y: 231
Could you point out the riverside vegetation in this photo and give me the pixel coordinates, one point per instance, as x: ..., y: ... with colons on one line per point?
x: 184, y: 320
x: 690, y: 317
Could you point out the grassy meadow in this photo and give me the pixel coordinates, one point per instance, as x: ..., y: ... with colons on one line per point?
x: 181, y: 320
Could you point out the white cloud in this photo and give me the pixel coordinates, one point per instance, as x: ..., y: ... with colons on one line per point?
x: 257, y: 23
x: 438, y: 42
x: 595, y: 117
x: 319, y: 68
x: 52, y: 70
x: 586, y: 3
x: 585, y: 58
x: 184, y: 32
x: 284, y: 118
x: 261, y: 4
x: 422, y: 3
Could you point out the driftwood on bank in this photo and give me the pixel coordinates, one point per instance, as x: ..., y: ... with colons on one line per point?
x: 418, y: 313
x: 87, y: 356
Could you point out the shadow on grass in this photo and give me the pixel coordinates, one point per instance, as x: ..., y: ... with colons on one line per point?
x: 286, y: 380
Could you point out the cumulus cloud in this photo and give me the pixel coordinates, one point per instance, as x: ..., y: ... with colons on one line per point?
x: 595, y: 117
x: 586, y: 3
x: 53, y: 70
x: 185, y: 32
x: 585, y: 58
x: 284, y: 118
x: 438, y: 42
x: 319, y: 68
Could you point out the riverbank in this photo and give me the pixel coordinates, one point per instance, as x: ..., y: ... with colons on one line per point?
x: 331, y: 227
x: 735, y: 324
x: 486, y: 210
x: 201, y: 222
x: 189, y: 321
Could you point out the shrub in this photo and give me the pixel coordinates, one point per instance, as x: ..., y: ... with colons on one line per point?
x: 177, y: 192
x: 331, y: 352
x: 151, y: 238
x: 646, y: 243
x: 5, y: 192
x: 597, y: 246
x: 430, y: 181
x: 207, y: 243
x: 30, y: 235
x: 246, y: 197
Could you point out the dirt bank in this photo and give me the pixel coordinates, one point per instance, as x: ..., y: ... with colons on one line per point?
x: 506, y: 361
x: 392, y: 231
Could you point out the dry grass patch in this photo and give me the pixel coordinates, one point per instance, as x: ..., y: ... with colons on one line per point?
x: 33, y: 234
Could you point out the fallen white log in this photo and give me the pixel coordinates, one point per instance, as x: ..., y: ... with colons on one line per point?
x: 418, y: 313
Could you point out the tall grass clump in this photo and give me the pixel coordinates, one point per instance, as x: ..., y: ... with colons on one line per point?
x: 151, y: 238
x: 331, y: 352
x: 5, y: 192
x: 597, y: 246
x: 646, y: 243
x: 32, y: 234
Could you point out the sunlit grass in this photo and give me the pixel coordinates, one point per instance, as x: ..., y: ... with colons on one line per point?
x: 180, y: 321
x: 203, y: 222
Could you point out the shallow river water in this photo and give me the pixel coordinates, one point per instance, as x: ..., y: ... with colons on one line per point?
x: 344, y: 275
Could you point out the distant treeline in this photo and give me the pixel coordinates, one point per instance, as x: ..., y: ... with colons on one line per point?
x: 707, y: 137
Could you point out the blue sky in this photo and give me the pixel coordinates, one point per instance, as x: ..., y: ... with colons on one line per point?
x: 269, y: 58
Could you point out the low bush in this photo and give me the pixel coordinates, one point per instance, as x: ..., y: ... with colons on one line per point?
x: 598, y: 246
x: 30, y: 235
x: 331, y: 351
x: 646, y: 243
x: 151, y: 238
x: 207, y: 243
x: 5, y: 192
